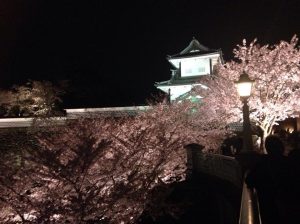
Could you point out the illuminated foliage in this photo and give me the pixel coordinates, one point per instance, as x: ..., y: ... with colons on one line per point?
x: 92, y: 170
x: 36, y: 98
x: 102, y: 169
x: 275, y: 95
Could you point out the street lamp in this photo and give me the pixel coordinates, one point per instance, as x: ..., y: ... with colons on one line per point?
x: 249, y: 211
x: 244, y: 86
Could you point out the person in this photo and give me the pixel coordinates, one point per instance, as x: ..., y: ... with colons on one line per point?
x: 268, y: 177
x: 232, y: 146
x: 292, y: 193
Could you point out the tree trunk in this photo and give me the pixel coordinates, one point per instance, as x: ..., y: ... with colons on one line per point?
x: 263, y: 140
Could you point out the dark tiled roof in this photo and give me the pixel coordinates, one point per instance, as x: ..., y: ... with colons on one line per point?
x: 73, y: 114
x: 193, y: 54
x: 194, y: 46
x: 194, y: 49
x: 238, y: 127
x: 105, y: 112
x: 180, y: 81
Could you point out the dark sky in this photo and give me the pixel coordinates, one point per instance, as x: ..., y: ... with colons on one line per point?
x: 112, y: 52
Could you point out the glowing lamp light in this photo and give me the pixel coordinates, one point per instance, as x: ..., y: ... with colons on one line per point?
x: 244, y: 85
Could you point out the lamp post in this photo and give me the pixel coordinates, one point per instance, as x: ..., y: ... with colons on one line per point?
x: 244, y: 86
x: 249, y: 211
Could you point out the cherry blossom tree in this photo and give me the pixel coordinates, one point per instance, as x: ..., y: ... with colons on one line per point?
x: 7, y: 102
x: 35, y: 98
x: 40, y: 98
x: 101, y: 169
x: 275, y: 94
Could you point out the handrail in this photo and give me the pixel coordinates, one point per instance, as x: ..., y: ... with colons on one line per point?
x: 220, y: 166
x: 249, y: 211
x: 230, y: 169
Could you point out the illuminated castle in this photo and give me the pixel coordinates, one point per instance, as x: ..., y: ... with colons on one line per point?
x: 192, y: 63
x: 189, y: 66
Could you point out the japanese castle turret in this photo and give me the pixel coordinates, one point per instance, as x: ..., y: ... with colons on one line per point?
x: 194, y: 62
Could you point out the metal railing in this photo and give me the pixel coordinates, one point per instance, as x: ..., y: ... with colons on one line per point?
x: 249, y: 211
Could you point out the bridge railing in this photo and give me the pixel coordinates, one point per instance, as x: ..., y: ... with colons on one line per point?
x: 229, y: 169
x: 249, y: 211
x: 223, y: 167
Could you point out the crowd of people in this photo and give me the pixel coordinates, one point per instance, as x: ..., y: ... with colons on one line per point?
x: 276, y: 178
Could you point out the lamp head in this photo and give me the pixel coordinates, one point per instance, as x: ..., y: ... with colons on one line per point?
x: 244, y: 85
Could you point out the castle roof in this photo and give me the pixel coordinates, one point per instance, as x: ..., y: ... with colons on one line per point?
x: 182, y: 81
x: 194, y: 49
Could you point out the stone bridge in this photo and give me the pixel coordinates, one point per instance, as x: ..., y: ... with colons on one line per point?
x: 234, y: 202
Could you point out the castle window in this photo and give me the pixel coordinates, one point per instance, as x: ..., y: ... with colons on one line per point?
x: 201, y: 69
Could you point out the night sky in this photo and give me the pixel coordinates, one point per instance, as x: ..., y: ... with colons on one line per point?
x: 112, y: 52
